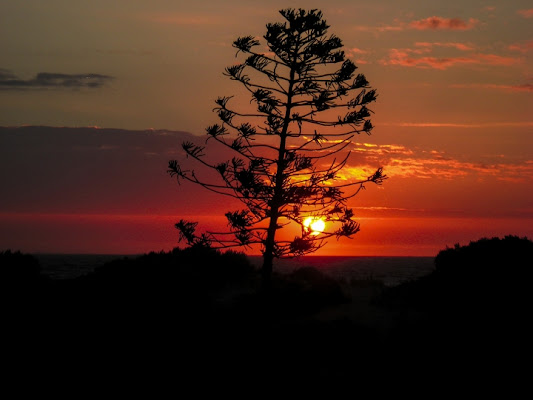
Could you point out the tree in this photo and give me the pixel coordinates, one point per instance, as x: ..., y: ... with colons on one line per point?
x: 298, y: 88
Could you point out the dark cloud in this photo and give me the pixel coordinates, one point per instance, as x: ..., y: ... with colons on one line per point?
x: 444, y: 23
x: 53, y: 80
x: 97, y: 170
x: 5, y: 75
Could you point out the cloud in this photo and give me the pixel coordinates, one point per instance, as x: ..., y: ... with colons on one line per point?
x: 421, y: 56
x: 494, y: 59
x: 53, y: 80
x: 455, y: 45
x: 379, y: 29
x: 526, y: 13
x: 522, y: 47
x: 434, y: 23
x: 379, y: 150
x: 402, y: 57
x: 416, y: 163
x: 355, y: 50
x: 6, y: 74
x: 525, y: 87
x: 88, y: 169
x: 357, y: 53
x: 528, y: 87
x: 183, y: 19
x: 125, y: 52
x: 431, y: 23
x: 460, y: 125
x: 399, y: 161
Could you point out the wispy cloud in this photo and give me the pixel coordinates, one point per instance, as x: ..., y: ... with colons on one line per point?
x: 355, y: 50
x: 52, y: 80
x: 358, y: 55
x: 526, y: 13
x: 381, y: 209
x: 126, y: 52
x: 518, y: 124
x: 381, y: 28
x: 431, y: 23
x: 429, y: 55
x: 183, y: 19
x: 427, y: 167
x: 379, y: 150
x: 6, y: 75
x: 494, y: 59
x: 401, y: 162
x: 522, y: 47
x: 435, y: 22
x: 525, y: 87
x: 404, y: 58
x: 455, y: 45
x: 451, y: 168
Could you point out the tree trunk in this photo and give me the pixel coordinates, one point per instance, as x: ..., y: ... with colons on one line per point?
x: 266, y: 270
x: 277, y: 197
x: 268, y: 254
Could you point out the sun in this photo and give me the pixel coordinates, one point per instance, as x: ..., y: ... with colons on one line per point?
x: 316, y: 225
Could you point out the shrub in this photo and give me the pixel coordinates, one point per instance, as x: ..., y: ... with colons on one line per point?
x: 18, y: 267
x: 484, y: 274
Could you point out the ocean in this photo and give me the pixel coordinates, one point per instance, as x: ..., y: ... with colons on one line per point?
x: 67, y: 266
x: 390, y: 270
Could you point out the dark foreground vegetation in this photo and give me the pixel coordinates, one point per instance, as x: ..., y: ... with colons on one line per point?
x: 199, y: 313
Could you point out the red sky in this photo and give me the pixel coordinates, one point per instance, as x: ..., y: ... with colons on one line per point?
x: 454, y: 130
x: 89, y: 190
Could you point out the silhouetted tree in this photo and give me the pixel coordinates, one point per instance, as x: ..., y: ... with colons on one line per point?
x: 299, y: 87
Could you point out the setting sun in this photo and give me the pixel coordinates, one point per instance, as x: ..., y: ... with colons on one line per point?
x: 316, y: 225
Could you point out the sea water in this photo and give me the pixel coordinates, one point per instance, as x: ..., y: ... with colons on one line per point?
x: 390, y: 270
x: 67, y: 266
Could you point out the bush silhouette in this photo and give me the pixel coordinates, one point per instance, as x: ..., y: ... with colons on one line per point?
x: 316, y: 288
x: 18, y: 267
x: 486, y: 259
x: 298, y: 294
x: 191, y: 266
x: 485, y: 273
x: 478, y: 295
x: 196, y: 283
x: 474, y: 306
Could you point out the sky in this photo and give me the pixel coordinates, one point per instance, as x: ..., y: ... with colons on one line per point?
x: 129, y: 80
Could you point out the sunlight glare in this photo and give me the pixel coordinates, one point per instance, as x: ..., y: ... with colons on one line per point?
x: 316, y: 225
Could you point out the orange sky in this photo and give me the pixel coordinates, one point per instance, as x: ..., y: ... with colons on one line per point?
x: 454, y: 130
